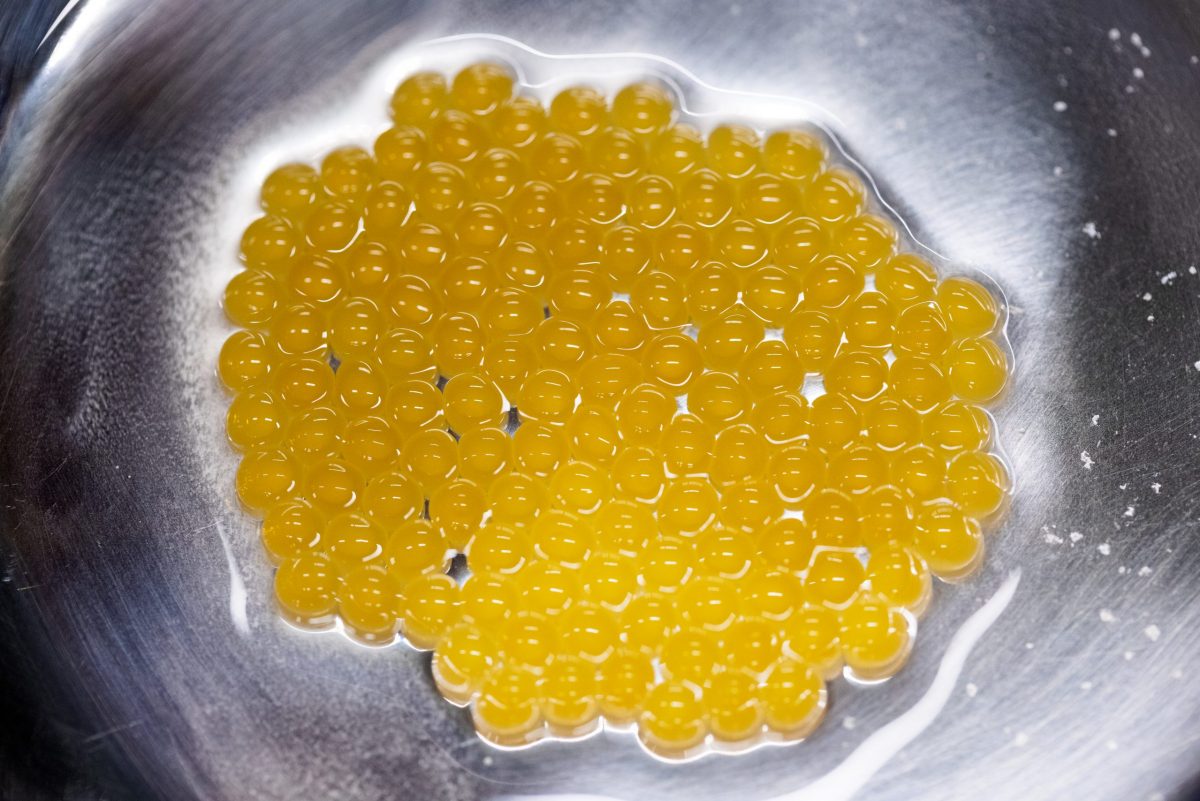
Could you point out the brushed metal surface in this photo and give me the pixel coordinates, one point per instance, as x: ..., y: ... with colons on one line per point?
x: 1048, y: 146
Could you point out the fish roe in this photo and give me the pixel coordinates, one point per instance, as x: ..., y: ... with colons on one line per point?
x: 703, y: 426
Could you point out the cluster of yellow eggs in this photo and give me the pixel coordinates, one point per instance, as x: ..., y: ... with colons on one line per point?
x: 572, y: 344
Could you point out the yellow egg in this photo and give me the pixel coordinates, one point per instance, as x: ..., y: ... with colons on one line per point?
x: 672, y: 720
x: 597, y: 198
x: 539, y: 448
x: 488, y: 599
x: 768, y: 198
x: 415, y: 404
x: 419, y: 97
x: 516, y: 498
x: 679, y: 149
x: 709, y: 603
x: 831, y: 283
x: 686, y: 445
x: 771, y: 293
x: 255, y: 420
x: 724, y: 552
x: 795, y: 472
x: 813, y: 636
x: 432, y: 607
x: 971, y: 309
x: 607, y: 377
x: 580, y: 487
x: 368, y: 604
x: 588, y: 631
x: 548, y: 587
x: 579, y: 110
x: 647, y: 621
x: 705, y: 198
x: 456, y: 137
x: 518, y: 122
x: 781, y: 416
x: 920, y: 471
x: 290, y: 191
x: 794, y: 154
x: 290, y: 530
x: 726, y: 340
x: 835, y: 195
x: 458, y: 344
x: 798, y: 244
x: 770, y: 594
x: 508, y: 361
x: 976, y: 370
x: 481, y: 87
x: 891, y: 424
x: 874, y: 637
x: 472, y: 401
x: 498, y: 548
x: 688, y: 506
x: 316, y: 432
x: 360, y: 386
x: 949, y: 541
x: 484, y: 453
x: 870, y: 321
x: 885, y: 516
x: 298, y: 330
x: 562, y: 344
x: 793, y: 698
x: 534, y: 208
x: 835, y: 422
x: 567, y: 693
x: 400, y: 150
x: 660, y: 299
x: 457, y: 508
x: 391, y: 498
x: 900, y: 577
x: 333, y: 484
x: 638, y: 474
x: 918, y: 382
x: 652, y: 201
x: 245, y: 360
x: 265, y: 478
x: 711, y: 289
x: 832, y: 515
x: 833, y: 578
x: 306, y: 590
x: 643, y: 107
x: 680, y: 248
x: 958, y: 426
x: 547, y: 396
x: 619, y: 328
x: 557, y: 158
x: 506, y: 710
x: 251, y: 298
x: 670, y: 562
x: 579, y: 294
x: 672, y: 361
x: 624, y: 527
x: 735, y: 712
x: 787, y: 545
x: 692, y: 655
x: 618, y: 153
x: 431, y: 458
x: 528, y: 638
x: 858, y: 374
x: 732, y: 150
x: 609, y: 579
x: 814, y: 337
x: 978, y: 483
x: 331, y: 226
x: 269, y: 243
x: 627, y: 252
x: 347, y: 173
x: 857, y: 470
x: 643, y: 413
x: 623, y: 683
x: 749, y: 506
x: 463, y: 660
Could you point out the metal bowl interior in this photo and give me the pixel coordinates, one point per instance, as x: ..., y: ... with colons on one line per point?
x: 1056, y: 150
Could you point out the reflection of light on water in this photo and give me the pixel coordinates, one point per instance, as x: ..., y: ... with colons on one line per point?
x: 856, y: 770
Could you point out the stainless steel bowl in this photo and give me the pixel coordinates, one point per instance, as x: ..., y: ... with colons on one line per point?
x: 1056, y: 148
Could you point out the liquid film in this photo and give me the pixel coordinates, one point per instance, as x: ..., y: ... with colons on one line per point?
x: 703, y: 430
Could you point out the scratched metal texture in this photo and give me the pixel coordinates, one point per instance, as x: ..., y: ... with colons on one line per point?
x: 1022, y: 138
